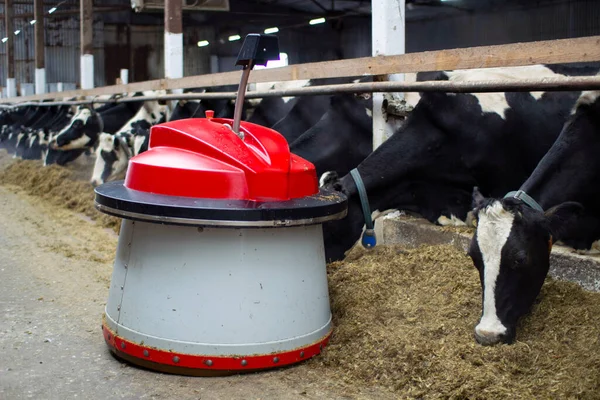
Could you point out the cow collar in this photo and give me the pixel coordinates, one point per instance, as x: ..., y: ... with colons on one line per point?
x: 369, y: 240
x: 525, y: 198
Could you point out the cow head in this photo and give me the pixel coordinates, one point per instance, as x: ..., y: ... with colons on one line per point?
x: 511, y: 251
x: 112, y: 156
x: 82, y: 131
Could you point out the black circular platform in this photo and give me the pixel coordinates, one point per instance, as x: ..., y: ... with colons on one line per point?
x: 115, y: 199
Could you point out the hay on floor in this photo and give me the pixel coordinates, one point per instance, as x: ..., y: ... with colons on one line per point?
x: 404, y: 319
x: 57, y: 185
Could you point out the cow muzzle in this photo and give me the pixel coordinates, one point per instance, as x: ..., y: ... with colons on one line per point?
x: 487, y: 338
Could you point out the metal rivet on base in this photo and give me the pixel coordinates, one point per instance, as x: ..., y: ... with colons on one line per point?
x: 175, y: 359
x: 276, y: 360
x: 208, y: 362
x: 244, y: 363
x: 301, y: 354
x: 146, y: 353
x: 122, y: 345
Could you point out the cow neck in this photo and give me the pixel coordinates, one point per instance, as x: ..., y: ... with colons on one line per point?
x: 99, y: 119
x: 369, y: 239
x: 525, y: 198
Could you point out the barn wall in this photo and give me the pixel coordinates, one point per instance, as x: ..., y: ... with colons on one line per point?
x: 560, y: 20
x: 143, y: 55
x: 62, y: 51
x: 139, y: 48
x: 557, y: 20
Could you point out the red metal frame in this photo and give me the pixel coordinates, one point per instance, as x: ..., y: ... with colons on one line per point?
x: 216, y: 363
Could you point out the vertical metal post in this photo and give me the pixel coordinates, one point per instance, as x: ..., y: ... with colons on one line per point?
x: 173, y: 39
x: 40, y: 69
x: 87, y: 44
x: 239, y: 101
x: 11, y: 84
x: 388, y: 38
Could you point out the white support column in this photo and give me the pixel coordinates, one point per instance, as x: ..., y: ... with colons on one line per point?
x: 11, y: 87
x: 173, y: 55
x: 40, y: 80
x: 87, y: 44
x: 87, y: 71
x: 124, y: 76
x: 173, y: 39
x: 388, y: 38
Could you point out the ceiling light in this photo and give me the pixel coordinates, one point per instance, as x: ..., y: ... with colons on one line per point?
x: 33, y: 21
x: 4, y: 40
x: 203, y: 43
x: 316, y: 21
x: 50, y: 11
x: 272, y: 30
x: 233, y: 38
x: 17, y: 32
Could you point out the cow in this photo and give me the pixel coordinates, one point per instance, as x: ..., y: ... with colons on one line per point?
x: 10, y: 134
x: 514, y: 235
x: 81, y: 134
x: 306, y: 111
x: 449, y: 144
x: 342, y: 138
x: 270, y: 110
x: 37, y: 145
x: 114, y: 151
x: 188, y: 109
x: 25, y: 134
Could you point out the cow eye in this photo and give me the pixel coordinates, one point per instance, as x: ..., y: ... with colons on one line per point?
x: 519, y: 260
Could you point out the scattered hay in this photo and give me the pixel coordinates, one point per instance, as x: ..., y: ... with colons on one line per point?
x: 405, y: 319
x: 57, y: 185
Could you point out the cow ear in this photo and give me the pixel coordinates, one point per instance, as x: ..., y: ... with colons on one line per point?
x: 148, y: 106
x: 562, y: 217
x: 478, y: 198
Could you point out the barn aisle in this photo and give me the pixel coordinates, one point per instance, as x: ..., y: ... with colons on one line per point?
x: 55, y: 270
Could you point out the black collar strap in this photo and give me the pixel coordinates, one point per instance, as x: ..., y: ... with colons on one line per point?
x: 369, y: 240
x: 525, y: 198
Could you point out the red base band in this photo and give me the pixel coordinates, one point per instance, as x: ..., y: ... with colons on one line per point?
x: 168, y: 361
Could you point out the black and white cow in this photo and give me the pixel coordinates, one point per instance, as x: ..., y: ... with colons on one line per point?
x: 342, y: 138
x: 513, y: 239
x: 306, y: 111
x: 114, y: 151
x: 449, y: 144
x: 188, y: 109
x: 270, y: 110
x: 37, y: 145
x: 10, y: 134
x: 81, y: 134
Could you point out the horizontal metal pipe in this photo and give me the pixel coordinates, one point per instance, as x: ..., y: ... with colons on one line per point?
x: 548, y: 84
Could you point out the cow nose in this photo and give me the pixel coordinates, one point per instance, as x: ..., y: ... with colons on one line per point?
x: 96, y: 182
x: 488, y: 338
